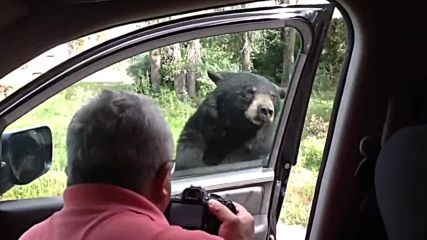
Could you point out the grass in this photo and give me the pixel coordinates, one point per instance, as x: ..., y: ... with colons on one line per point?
x: 299, y: 195
x: 52, y: 183
x: 58, y: 111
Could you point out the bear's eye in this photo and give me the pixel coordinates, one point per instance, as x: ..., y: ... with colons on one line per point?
x: 273, y: 97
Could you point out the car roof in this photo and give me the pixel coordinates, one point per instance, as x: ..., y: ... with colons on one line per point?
x: 30, y: 27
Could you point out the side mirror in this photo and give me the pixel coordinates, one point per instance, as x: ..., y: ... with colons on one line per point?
x: 25, y: 156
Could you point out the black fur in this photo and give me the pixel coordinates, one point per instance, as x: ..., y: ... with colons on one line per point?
x: 218, y: 132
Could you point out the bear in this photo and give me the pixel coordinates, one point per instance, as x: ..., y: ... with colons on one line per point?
x: 234, y: 123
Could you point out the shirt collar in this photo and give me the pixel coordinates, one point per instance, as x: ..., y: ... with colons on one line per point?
x: 98, y: 194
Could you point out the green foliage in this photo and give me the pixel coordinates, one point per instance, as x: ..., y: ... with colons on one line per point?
x: 311, y: 152
x: 332, y: 56
x: 318, y: 114
x: 139, y: 70
x: 335, y: 45
x: 139, y: 67
x: 172, y: 67
x: 316, y: 126
x: 268, y: 53
x: 218, y: 54
x: 175, y: 111
x: 52, y: 183
x: 221, y: 53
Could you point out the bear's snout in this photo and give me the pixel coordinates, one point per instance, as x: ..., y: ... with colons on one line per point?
x: 261, y: 110
x: 265, y: 112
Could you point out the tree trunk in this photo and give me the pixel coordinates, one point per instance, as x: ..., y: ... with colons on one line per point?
x: 179, y: 74
x: 288, y: 36
x: 246, y: 52
x: 155, y: 69
x: 194, y: 58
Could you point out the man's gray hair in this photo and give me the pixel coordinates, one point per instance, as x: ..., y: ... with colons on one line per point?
x: 118, y: 138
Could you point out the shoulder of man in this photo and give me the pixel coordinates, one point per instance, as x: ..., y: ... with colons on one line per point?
x: 35, y: 232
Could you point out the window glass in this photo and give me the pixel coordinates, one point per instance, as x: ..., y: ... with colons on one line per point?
x: 222, y: 97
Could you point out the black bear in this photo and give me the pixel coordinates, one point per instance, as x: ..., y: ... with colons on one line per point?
x: 234, y: 123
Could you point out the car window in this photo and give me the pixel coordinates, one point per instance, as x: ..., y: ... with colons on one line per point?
x: 237, y: 80
x: 296, y: 208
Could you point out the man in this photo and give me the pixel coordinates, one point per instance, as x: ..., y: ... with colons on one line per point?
x: 119, y: 150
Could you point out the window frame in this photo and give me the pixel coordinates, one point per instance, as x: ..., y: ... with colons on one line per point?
x: 104, y: 55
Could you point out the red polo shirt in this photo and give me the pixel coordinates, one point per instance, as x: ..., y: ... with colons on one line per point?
x: 95, y: 211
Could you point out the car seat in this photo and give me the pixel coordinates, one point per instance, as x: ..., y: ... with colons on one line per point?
x: 401, y: 183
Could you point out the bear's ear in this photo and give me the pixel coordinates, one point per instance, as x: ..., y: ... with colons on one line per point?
x: 216, y: 77
x: 282, y: 92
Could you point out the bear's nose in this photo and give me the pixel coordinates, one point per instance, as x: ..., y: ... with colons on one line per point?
x: 265, y: 111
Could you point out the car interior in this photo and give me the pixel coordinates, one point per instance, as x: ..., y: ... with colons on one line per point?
x: 370, y: 184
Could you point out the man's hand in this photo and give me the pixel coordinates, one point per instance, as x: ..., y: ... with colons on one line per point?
x: 240, y: 226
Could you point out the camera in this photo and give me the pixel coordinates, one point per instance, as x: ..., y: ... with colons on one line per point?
x: 190, y: 210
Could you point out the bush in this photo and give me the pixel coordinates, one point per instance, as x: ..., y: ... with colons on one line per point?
x: 316, y: 126
x: 311, y: 152
x: 139, y: 67
x: 175, y: 111
x: 321, y: 106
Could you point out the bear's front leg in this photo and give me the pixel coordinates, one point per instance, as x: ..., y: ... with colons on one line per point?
x: 190, y: 151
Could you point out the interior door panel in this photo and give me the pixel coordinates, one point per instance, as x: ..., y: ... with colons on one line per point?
x: 252, y: 198
x: 19, y: 215
x: 246, y: 187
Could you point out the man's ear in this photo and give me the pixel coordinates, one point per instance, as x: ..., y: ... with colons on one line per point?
x: 161, y: 188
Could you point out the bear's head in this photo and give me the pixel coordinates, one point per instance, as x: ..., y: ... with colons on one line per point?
x: 246, y: 100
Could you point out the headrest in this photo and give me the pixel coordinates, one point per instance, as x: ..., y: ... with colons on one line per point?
x: 401, y: 183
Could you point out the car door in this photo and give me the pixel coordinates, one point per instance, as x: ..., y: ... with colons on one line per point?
x: 258, y: 185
